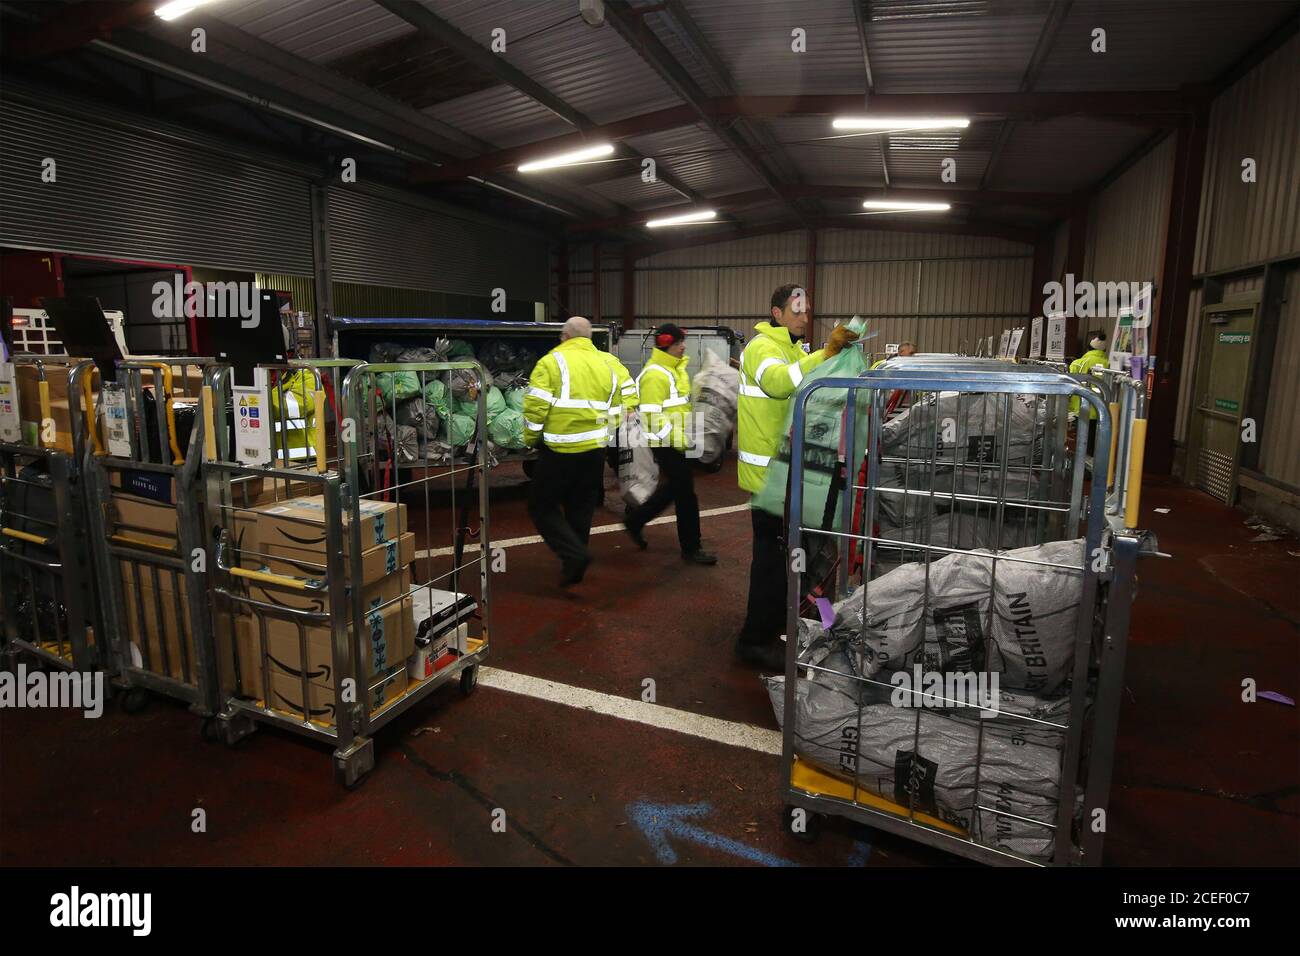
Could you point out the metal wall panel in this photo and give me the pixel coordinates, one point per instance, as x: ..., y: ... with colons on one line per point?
x: 141, y: 196
x: 1279, y: 452
x: 1257, y: 118
x: 684, y: 292
x: 1126, y: 224
x: 302, y: 288
x: 869, y: 288
x: 781, y: 247
x: 581, y: 300
x: 1060, y: 249
x: 1191, y: 343
x: 377, y: 240
x: 943, y: 292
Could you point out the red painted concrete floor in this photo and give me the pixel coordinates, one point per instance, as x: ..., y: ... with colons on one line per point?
x: 1199, y: 778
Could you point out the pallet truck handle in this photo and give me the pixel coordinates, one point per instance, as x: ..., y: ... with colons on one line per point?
x: 88, y: 402
x: 1137, y: 451
x: 169, y: 406
x: 319, y: 396
x: 209, y: 426
x: 24, y: 536
x: 263, y: 577
x: 268, y: 577
x: 141, y: 543
x: 1114, y: 443
x: 43, y: 390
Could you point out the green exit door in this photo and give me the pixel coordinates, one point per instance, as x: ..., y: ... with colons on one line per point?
x: 1222, y: 378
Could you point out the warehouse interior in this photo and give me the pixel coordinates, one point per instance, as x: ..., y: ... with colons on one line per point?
x: 940, y: 174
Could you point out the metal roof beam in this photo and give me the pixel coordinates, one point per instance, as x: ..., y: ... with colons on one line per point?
x: 994, y: 230
x: 1058, y: 202
x: 1158, y: 109
x: 429, y: 23
x: 1047, y: 35
x: 644, y: 42
x: 162, y: 57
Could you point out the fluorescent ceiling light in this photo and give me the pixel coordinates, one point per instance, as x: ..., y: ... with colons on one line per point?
x: 891, y: 205
x: 568, y: 159
x: 704, y: 215
x: 178, y: 8
x: 883, y: 123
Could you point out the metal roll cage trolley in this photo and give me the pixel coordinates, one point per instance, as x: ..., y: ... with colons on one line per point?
x: 345, y: 471
x: 47, y: 605
x: 153, y: 579
x: 1041, y: 498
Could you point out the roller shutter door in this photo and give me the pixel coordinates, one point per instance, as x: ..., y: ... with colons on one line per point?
x: 379, y: 241
x: 125, y: 193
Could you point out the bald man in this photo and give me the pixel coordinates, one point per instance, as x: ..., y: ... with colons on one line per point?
x: 566, y: 418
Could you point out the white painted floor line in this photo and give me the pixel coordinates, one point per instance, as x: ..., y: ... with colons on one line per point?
x: 603, y: 529
x: 729, y: 732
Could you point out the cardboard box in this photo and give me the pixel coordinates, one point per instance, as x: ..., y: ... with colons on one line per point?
x: 58, y: 377
x: 388, y: 641
x: 146, y: 630
x: 149, y: 522
x: 286, y: 696
x: 391, y: 557
x: 62, y: 417
x: 300, y: 523
x: 373, y: 595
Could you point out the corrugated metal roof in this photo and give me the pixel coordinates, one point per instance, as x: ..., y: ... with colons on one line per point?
x: 826, y: 155
x: 948, y: 47
x: 631, y: 191
x: 698, y: 158
x: 590, y: 68
x: 754, y: 38
x: 1152, y: 44
x: 501, y: 115
x: 317, y: 30
x: 1064, y: 153
x: 666, y: 30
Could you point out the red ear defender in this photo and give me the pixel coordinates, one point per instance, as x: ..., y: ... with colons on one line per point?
x: 663, y: 340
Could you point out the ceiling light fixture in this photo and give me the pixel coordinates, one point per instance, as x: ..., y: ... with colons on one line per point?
x: 891, y: 123
x: 178, y: 8
x: 704, y: 215
x: 568, y: 159
x: 890, y: 205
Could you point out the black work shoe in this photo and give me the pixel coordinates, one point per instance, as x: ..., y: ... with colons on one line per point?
x: 699, y: 557
x: 766, y: 657
x: 573, y: 574
x: 637, y: 537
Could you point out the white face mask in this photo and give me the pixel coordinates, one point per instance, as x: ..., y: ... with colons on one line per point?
x: 1097, y: 343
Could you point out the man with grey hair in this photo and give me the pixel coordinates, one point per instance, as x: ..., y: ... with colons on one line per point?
x: 566, y: 417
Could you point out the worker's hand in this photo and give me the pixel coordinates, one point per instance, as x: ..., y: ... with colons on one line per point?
x: 840, y: 339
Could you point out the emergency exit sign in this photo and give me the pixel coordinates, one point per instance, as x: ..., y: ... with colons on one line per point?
x: 1234, y: 338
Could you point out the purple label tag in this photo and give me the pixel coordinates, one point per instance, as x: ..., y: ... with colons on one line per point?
x: 826, y: 611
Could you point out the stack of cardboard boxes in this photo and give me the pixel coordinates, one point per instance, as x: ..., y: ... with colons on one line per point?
x: 289, y: 537
x: 156, y: 609
x: 29, y: 402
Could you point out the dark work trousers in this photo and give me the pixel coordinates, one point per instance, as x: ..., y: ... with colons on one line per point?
x: 562, y: 498
x: 678, y: 489
x: 765, y: 614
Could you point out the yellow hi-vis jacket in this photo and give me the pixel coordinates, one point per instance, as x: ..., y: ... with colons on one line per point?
x: 1080, y: 366
x: 665, y: 389
x: 569, y: 397
x: 296, y: 392
x: 771, y: 368
x: 628, y: 397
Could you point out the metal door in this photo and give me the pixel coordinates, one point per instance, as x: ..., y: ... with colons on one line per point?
x: 1222, y: 381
